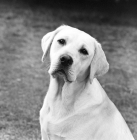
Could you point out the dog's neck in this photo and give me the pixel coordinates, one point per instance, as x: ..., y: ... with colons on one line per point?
x: 68, y: 97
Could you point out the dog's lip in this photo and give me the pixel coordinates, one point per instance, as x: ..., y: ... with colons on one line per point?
x: 59, y: 72
x: 62, y: 73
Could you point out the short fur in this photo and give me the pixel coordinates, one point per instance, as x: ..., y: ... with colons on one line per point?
x: 78, y: 108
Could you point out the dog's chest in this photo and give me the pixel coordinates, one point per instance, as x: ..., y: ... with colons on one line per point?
x: 59, y: 128
x: 69, y: 126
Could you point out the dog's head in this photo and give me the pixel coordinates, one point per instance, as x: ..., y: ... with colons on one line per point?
x: 74, y: 54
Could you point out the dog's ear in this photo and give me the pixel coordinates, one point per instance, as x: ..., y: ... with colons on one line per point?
x: 47, y: 41
x: 99, y: 64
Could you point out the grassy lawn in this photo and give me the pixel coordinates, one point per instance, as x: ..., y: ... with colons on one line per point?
x: 24, y: 79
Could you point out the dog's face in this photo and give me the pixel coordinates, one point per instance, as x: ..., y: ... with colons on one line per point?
x: 71, y: 54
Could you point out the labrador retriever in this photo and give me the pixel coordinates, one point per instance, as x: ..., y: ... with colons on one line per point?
x: 76, y: 107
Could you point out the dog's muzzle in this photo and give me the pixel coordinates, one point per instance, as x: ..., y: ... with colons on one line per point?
x: 63, y: 67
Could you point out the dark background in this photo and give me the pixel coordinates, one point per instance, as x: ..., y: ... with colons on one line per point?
x: 23, y: 77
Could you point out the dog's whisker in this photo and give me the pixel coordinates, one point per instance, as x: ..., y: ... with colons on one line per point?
x: 70, y: 72
x: 48, y: 65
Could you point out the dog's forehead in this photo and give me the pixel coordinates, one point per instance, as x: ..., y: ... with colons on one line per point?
x: 68, y: 33
x: 76, y: 38
x: 74, y: 34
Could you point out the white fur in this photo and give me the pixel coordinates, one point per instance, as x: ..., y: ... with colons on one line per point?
x: 80, y: 109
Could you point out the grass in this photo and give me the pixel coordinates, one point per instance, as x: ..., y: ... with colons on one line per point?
x: 24, y: 79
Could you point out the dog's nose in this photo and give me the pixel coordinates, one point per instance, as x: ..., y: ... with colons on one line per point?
x: 66, y: 60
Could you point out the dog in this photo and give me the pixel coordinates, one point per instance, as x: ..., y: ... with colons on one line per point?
x: 76, y: 107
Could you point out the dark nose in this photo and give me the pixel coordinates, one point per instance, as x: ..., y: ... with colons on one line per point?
x: 66, y: 60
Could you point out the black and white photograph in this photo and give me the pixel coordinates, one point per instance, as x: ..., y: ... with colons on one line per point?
x: 68, y: 70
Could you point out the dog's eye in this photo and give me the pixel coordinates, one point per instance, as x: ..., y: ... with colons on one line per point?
x: 83, y: 51
x: 62, y: 41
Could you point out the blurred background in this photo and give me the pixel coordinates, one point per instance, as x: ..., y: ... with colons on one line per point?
x: 23, y: 77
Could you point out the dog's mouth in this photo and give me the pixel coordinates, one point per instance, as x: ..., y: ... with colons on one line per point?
x: 61, y: 73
